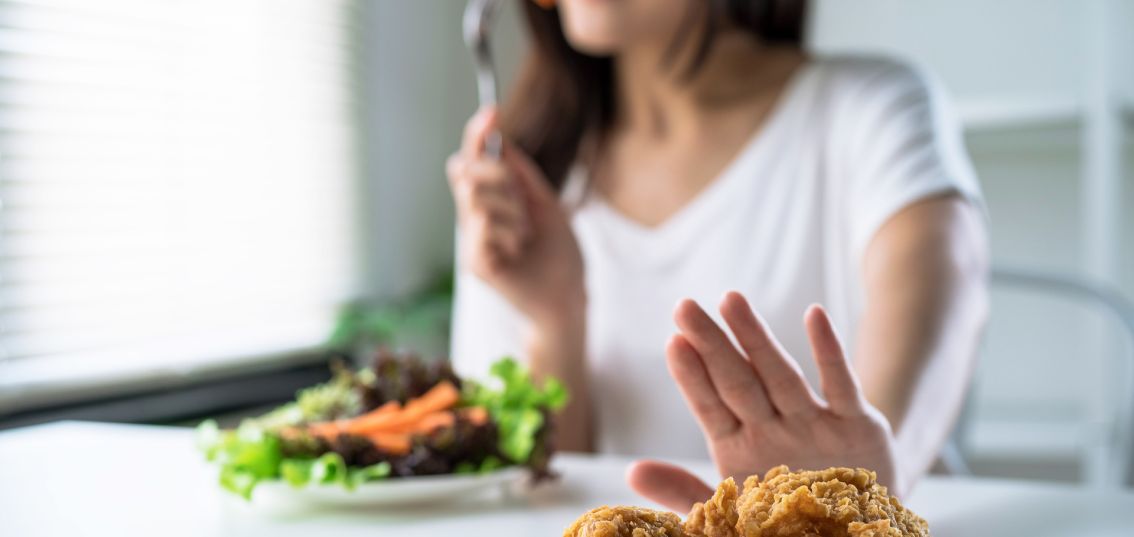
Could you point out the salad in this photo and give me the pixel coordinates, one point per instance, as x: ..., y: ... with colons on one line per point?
x: 400, y: 417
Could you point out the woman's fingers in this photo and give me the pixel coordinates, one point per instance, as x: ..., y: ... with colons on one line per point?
x: 668, y: 485
x: 732, y: 376
x: 496, y: 242
x: 784, y: 382
x: 476, y: 130
x: 492, y: 213
x: 485, y: 186
x: 838, y: 381
x: 687, y: 368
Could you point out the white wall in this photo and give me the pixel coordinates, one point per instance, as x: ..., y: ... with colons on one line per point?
x: 417, y: 89
x: 983, y: 49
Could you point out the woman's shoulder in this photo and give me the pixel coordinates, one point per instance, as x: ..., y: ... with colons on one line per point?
x: 868, y: 71
x: 856, y: 89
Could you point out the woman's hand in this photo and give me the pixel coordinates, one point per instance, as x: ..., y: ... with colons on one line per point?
x: 757, y: 410
x: 513, y: 233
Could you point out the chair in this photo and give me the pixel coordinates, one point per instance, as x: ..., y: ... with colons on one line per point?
x: 1107, y: 432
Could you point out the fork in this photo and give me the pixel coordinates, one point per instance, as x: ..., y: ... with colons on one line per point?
x: 477, y: 29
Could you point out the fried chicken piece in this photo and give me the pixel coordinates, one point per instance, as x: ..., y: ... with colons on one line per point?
x: 716, y: 517
x: 626, y: 522
x: 836, y: 502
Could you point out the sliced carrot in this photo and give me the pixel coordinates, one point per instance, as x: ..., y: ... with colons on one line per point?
x: 477, y: 415
x: 327, y: 429
x: 374, y: 418
x: 441, y: 397
x: 434, y: 421
x: 392, y: 443
x: 423, y: 424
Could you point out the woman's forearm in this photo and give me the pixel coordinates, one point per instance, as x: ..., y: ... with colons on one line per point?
x: 918, y: 372
x: 557, y: 348
x: 926, y: 275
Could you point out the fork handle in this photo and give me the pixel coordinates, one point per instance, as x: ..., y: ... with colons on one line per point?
x: 486, y: 88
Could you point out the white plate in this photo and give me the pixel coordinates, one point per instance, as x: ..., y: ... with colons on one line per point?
x: 398, y: 491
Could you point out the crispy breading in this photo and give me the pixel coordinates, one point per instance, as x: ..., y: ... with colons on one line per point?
x: 626, y: 522
x: 836, y: 502
x: 716, y: 517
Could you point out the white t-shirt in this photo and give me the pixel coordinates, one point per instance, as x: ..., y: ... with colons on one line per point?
x: 850, y: 143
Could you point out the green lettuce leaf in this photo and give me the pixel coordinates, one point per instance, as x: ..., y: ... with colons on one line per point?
x: 358, y: 476
x: 249, y: 455
x: 518, y: 406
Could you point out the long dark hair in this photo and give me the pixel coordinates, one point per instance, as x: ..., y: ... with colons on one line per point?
x: 561, y: 95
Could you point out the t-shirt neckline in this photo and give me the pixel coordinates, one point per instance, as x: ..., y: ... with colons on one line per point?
x: 756, y: 145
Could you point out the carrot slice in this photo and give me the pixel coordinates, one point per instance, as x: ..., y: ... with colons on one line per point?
x: 373, y: 418
x: 441, y: 397
x: 436, y: 421
x: 477, y: 415
x: 327, y: 429
x: 427, y: 423
x: 392, y: 443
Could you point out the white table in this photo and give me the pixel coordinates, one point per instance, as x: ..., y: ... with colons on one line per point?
x: 76, y: 478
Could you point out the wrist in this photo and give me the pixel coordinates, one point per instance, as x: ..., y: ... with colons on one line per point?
x: 565, y: 316
x: 559, y: 330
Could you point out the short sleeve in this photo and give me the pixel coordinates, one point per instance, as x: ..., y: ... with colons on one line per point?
x: 485, y: 326
x: 905, y: 145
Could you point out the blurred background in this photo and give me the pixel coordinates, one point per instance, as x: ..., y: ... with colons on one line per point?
x: 203, y: 201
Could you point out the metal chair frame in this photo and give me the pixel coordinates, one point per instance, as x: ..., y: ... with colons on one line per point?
x: 1107, y: 460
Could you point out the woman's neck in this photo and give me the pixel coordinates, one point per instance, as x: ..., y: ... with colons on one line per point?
x: 655, y: 97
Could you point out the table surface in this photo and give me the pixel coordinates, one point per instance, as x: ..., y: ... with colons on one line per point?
x: 75, y: 478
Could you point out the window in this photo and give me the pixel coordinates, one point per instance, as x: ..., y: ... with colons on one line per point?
x: 177, y: 183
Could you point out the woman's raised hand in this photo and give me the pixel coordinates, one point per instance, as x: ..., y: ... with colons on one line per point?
x: 512, y: 231
x: 757, y: 410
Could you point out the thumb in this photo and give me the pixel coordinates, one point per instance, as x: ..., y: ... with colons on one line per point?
x: 476, y: 130
x: 668, y: 485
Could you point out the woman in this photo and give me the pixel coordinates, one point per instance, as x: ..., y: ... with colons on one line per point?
x: 657, y: 150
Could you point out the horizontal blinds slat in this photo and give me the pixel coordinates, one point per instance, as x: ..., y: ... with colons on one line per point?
x: 161, y: 349
x: 176, y: 178
x: 129, y: 327
x: 27, y: 273
x: 112, y: 19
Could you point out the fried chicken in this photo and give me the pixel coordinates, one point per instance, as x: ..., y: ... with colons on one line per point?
x: 836, y: 502
x: 626, y: 522
x: 716, y: 517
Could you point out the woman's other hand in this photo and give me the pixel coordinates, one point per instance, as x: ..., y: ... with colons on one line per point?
x: 756, y: 408
x: 512, y: 231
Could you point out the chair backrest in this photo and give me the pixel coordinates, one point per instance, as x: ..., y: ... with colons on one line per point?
x: 1108, y: 443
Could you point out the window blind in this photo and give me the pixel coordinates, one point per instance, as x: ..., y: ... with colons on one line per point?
x: 176, y: 185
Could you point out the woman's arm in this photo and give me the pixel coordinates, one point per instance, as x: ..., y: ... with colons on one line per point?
x: 557, y: 349
x: 925, y: 275
x: 515, y: 237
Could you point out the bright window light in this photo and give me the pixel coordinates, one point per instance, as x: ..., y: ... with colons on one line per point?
x: 176, y: 180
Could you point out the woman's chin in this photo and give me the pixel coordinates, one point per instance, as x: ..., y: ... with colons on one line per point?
x: 595, y: 48
x: 593, y: 43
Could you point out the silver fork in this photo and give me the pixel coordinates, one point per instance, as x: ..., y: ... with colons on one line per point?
x: 477, y: 28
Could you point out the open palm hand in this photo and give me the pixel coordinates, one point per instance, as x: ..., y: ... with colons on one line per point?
x: 757, y: 410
